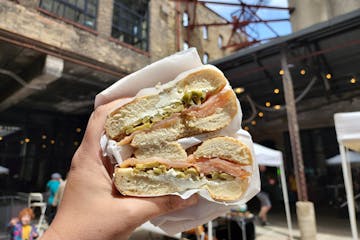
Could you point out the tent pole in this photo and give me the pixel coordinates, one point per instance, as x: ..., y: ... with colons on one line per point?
x: 286, y: 200
x: 210, y: 230
x: 349, y: 189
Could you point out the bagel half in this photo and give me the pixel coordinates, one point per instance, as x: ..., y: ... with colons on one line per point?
x: 225, y: 175
x: 200, y: 90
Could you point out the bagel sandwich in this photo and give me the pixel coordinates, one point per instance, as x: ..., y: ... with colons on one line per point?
x: 196, y: 102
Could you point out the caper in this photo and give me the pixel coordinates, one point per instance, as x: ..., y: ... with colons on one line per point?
x: 162, y: 167
x: 157, y: 171
x: 192, y: 171
x: 180, y: 175
x: 225, y: 176
x: 140, y: 166
x: 215, y: 175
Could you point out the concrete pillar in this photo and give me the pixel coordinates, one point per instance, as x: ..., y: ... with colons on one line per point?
x: 306, y: 220
x: 104, y: 17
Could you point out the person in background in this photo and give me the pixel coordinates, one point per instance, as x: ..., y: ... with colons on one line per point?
x: 23, y: 229
x: 292, y: 188
x: 263, y: 195
x: 53, y: 186
x: 59, y: 194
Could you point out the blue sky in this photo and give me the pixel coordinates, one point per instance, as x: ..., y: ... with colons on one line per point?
x: 282, y: 28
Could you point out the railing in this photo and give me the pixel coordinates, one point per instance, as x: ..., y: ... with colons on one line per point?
x: 129, y: 26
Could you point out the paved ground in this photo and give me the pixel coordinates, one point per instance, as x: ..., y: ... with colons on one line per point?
x: 329, y: 226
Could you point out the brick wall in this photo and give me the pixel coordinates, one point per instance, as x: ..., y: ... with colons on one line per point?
x: 15, y: 18
x: 163, y: 32
x: 104, y: 20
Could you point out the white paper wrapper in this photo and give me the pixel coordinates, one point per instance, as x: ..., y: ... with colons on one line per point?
x: 164, y: 71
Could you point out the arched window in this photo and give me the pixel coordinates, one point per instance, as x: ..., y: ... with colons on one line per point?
x: 185, y: 19
x: 205, y: 58
x: 185, y: 45
x: 220, y: 41
x: 205, y: 32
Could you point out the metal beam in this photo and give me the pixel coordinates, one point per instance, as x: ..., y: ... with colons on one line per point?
x: 51, y: 72
x: 293, y: 129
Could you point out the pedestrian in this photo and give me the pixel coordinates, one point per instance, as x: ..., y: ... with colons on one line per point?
x: 91, y: 208
x: 263, y: 195
x: 52, y: 186
x: 59, y: 194
x: 23, y: 229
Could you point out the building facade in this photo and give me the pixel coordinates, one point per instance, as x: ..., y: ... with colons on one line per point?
x: 56, y: 55
x: 309, y: 12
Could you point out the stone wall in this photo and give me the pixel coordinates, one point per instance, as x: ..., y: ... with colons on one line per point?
x: 15, y: 18
x: 166, y: 35
x: 162, y: 32
x: 309, y: 12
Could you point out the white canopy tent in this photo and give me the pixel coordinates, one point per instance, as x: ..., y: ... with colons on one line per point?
x: 4, y: 170
x: 354, y: 158
x: 273, y: 158
x: 348, y: 135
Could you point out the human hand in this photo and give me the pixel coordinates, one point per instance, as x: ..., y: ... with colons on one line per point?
x: 91, y: 208
x: 14, y: 221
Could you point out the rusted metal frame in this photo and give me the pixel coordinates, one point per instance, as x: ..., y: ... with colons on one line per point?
x: 293, y: 128
x: 242, y: 45
x: 239, y: 23
x: 266, y: 23
x: 241, y: 4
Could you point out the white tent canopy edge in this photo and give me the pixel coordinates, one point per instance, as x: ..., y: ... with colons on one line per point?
x: 273, y: 158
x: 348, y: 135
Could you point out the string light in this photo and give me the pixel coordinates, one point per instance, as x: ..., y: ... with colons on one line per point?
x: 78, y: 130
x: 43, y: 146
x: 246, y: 128
x: 253, y: 122
x: 268, y: 104
x: 21, y: 142
x: 281, y: 72
x: 328, y: 76
x: 76, y: 143
x: 303, y: 72
x: 239, y: 90
x: 52, y: 141
x: 1, y: 138
x: 260, y: 114
x: 276, y: 91
x: 277, y: 107
x: 353, y: 80
x: 43, y: 137
x: 27, y: 140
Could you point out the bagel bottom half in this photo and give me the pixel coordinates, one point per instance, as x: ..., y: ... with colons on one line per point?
x: 130, y: 182
x: 220, y: 165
